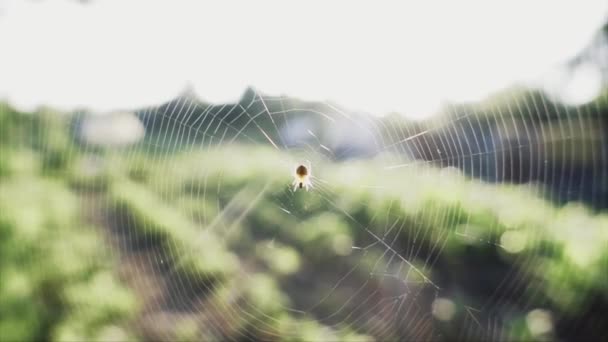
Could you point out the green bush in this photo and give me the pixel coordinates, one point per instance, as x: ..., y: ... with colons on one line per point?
x: 57, y: 279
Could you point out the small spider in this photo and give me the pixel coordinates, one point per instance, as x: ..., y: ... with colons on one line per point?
x: 302, y: 177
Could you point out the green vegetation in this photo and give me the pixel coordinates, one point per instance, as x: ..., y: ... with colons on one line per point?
x: 243, y: 249
x: 58, y: 282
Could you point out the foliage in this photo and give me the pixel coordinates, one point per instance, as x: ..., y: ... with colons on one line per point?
x: 245, y: 247
x: 57, y: 281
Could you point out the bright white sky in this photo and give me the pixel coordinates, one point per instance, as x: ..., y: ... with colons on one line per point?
x: 379, y: 57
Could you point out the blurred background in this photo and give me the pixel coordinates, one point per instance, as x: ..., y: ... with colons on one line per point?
x: 459, y: 157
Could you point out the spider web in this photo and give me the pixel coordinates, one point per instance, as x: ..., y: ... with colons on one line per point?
x: 481, y: 223
x: 356, y: 309
x: 390, y: 243
x: 386, y: 273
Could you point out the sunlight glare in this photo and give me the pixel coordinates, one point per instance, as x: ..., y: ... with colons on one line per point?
x: 399, y: 57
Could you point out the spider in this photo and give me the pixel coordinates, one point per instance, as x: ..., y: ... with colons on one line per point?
x: 302, y: 177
